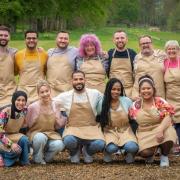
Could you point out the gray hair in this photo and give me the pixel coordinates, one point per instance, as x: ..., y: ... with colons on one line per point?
x: 172, y: 43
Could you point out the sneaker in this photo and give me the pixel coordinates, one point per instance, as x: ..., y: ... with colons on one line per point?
x: 75, y: 158
x: 87, y: 157
x: 107, y: 157
x: 129, y: 158
x: 164, y: 161
x: 149, y: 160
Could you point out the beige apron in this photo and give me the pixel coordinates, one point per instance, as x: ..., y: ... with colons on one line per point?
x: 119, y: 131
x: 149, y: 121
x: 7, y: 80
x: 45, y: 124
x: 172, y: 83
x: 152, y: 66
x: 121, y: 68
x: 95, y: 74
x: 59, y: 72
x: 82, y: 122
x: 12, y: 131
x: 29, y: 76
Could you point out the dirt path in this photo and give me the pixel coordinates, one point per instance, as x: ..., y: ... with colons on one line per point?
x: 61, y: 168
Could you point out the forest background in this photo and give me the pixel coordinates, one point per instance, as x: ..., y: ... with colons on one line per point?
x: 159, y: 18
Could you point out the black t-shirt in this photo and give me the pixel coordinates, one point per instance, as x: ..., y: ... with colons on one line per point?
x: 121, y: 54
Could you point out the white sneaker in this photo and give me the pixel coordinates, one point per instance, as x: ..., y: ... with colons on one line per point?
x: 87, y: 157
x: 129, y: 158
x: 107, y: 157
x: 75, y: 158
x: 164, y: 161
x: 149, y: 160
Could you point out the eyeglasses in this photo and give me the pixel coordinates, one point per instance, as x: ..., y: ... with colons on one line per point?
x: 144, y: 43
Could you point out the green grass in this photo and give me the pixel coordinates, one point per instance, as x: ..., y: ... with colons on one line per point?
x: 47, y: 40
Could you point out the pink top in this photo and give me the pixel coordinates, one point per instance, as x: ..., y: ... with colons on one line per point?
x: 35, y: 109
x: 171, y: 64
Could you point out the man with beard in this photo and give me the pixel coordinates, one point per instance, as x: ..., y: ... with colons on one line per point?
x: 60, y: 65
x: 81, y: 131
x: 121, y: 61
x: 7, y: 80
x: 149, y: 61
x: 30, y: 64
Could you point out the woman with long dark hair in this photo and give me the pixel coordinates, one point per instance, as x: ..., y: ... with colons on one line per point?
x: 115, y: 122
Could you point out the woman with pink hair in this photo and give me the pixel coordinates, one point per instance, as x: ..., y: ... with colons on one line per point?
x: 91, y: 60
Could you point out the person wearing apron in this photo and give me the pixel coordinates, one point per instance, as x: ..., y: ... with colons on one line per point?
x: 14, y: 145
x: 149, y: 61
x: 121, y: 62
x: 172, y: 82
x: 7, y: 80
x: 43, y: 118
x: 115, y: 122
x: 154, y: 117
x: 92, y: 62
x: 30, y: 64
x: 60, y: 64
x: 82, y: 130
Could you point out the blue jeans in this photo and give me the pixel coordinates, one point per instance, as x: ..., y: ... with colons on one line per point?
x: 129, y: 147
x: 11, y: 157
x: 73, y: 144
x: 45, y: 149
x: 177, y: 127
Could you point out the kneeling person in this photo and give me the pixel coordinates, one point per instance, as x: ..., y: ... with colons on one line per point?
x: 82, y: 105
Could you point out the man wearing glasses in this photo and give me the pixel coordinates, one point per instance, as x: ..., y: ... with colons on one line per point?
x: 30, y: 65
x: 149, y: 61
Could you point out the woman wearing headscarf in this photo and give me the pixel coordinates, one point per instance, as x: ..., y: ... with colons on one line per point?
x: 91, y: 60
x: 43, y: 118
x: 115, y: 122
x: 172, y: 82
x: 14, y: 145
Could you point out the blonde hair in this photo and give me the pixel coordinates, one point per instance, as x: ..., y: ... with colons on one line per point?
x: 172, y: 43
x: 42, y: 83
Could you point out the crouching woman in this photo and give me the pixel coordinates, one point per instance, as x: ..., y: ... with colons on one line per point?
x: 43, y: 118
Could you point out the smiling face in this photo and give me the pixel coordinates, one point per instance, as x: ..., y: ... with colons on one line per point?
x: 78, y: 82
x: 44, y: 93
x: 31, y: 41
x: 146, y: 90
x: 145, y: 44
x: 116, y: 91
x: 62, y: 40
x: 120, y: 40
x: 172, y: 51
x: 4, y: 38
x: 20, y: 102
x: 90, y: 49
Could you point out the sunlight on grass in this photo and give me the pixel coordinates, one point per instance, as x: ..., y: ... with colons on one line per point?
x: 47, y: 40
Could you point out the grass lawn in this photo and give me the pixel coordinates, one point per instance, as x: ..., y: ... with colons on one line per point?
x: 47, y: 40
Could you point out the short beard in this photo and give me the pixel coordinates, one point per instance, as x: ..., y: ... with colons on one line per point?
x: 4, y: 45
x: 83, y: 85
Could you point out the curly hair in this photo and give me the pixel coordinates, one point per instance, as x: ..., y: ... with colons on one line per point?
x: 89, y: 38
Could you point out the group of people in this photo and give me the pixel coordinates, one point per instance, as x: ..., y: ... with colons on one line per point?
x: 74, y: 108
